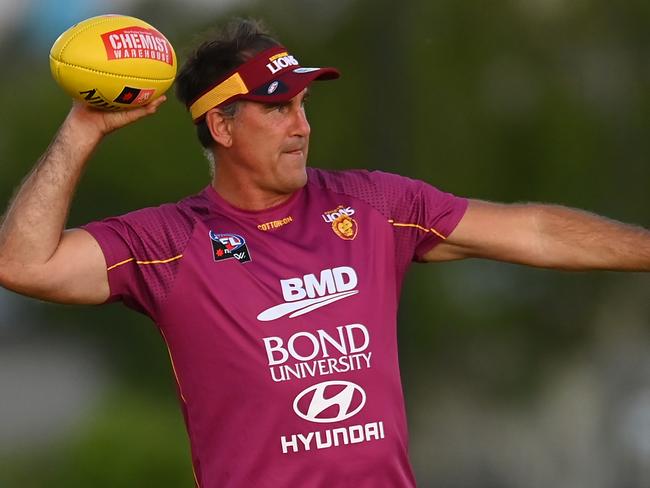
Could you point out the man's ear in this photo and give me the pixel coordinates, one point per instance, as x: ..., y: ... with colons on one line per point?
x: 220, y: 127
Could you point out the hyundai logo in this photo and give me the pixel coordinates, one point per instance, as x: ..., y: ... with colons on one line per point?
x: 330, y: 401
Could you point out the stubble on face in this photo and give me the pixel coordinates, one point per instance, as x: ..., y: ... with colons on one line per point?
x: 271, y: 143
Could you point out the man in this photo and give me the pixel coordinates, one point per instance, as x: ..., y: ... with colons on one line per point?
x: 276, y: 287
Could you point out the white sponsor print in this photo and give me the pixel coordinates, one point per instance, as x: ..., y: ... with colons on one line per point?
x: 302, y: 307
x: 349, y: 399
x: 307, y: 354
x: 315, y: 353
x: 342, y: 436
x: 345, y: 400
x: 280, y: 63
x: 303, y: 295
x: 332, y: 215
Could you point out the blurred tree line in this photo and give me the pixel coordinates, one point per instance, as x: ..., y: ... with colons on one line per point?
x: 512, y: 100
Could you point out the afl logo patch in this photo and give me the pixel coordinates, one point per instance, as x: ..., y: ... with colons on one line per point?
x: 229, y: 246
x: 272, y: 87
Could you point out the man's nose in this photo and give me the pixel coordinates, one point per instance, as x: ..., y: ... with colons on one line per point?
x: 301, y: 124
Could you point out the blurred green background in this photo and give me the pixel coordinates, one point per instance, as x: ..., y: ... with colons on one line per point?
x: 514, y: 377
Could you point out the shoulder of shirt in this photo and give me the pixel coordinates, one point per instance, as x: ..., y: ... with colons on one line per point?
x: 189, y: 209
x: 378, y: 189
x: 157, y: 234
x: 167, y: 227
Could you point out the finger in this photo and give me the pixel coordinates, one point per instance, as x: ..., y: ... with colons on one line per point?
x: 144, y: 111
x: 150, y: 108
x: 153, y: 106
x: 158, y: 101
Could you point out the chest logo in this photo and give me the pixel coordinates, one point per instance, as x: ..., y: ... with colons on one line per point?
x: 310, y: 292
x: 342, y: 222
x: 229, y: 246
x: 315, y: 403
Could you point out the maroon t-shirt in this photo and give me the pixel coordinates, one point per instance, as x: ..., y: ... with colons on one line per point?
x: 281, y: 323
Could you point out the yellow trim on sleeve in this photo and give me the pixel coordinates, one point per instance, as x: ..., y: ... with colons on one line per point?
x: 119, y: 264
x: 424, y: 229
x: 162, y: 261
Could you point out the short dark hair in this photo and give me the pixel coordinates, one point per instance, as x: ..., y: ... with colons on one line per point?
x: 240, y: 40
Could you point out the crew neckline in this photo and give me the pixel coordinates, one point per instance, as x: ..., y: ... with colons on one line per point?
x: 223, y: 204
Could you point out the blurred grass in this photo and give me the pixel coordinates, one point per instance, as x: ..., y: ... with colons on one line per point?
x: 130, y: 440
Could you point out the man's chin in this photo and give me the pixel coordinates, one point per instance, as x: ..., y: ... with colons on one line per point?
x: 291, y: 173
x: 296, y: 180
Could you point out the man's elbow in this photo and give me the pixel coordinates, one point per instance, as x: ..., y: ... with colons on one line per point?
x: 25, y: 280
x: 7, y: 275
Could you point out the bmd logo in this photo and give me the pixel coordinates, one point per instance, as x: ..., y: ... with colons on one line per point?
x: 303, y: 295
x: 330, y: 401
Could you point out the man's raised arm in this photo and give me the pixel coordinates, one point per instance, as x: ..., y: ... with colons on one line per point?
x: 548, y: 236
x: 38, y: 257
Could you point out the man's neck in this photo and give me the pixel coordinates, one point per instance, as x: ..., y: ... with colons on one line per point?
x: 245, y: 195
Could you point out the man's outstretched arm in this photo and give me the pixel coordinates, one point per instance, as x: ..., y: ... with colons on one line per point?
x: 37, y: 257
x: 547, y: 236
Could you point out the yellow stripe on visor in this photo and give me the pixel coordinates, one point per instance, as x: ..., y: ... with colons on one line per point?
x: 231, y: 86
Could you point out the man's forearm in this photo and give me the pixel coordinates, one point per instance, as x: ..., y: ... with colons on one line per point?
x: 546, y: 236
x: 35, y: 220
x: 578, y: 240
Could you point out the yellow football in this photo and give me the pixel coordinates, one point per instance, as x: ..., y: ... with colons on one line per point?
x: 113, y: 62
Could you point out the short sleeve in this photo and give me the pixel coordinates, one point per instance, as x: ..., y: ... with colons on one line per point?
x: 421, y: 214
x: 143, y: 250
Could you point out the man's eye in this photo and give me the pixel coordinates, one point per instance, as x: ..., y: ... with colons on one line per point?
x: 279, y: 107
